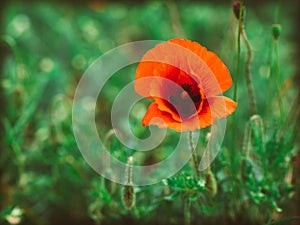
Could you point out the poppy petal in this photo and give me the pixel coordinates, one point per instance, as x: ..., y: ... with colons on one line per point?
x: 214, y: 108
x: 164, y: 106
x: 160, y: 118
x: 219, y: 69
x: 148, y: 69
x: 163, y: 119
x: 215, y: 64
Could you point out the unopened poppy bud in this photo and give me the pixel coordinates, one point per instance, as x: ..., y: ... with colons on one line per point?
x: 128, y: 197
x: 276, y: 29
x: 236, y: 10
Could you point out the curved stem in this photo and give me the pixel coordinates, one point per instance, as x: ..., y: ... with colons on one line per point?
x: 247, y: 75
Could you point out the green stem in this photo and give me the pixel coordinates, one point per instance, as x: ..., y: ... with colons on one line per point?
x: 237, y: 71
x: 194, y: 155
x: 238, y: 55
x: 175, y: 18
x: 247, y: 71
x: 276, y: 75
x: 276, y: 11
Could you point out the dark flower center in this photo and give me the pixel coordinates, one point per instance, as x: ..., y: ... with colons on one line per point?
x: 180, y: 99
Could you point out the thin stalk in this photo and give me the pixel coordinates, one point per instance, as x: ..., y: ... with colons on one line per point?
x: 128, y: 170
x: 269, y: 89
x: 276, y: 75
x: 247, y: 71
x: 238, y: 55
x: 276, y: 11
x: 194, y: 156
x: 237, y: 70
x: 175, y: 18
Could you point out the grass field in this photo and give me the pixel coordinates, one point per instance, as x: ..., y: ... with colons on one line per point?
x: 47, y: 47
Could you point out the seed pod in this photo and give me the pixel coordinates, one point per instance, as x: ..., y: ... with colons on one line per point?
x: 276, y: 30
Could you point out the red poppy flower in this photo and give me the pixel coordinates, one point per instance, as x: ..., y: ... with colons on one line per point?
x: 184, y: 80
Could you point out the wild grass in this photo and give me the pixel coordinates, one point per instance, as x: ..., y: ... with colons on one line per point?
x: 48, y: 48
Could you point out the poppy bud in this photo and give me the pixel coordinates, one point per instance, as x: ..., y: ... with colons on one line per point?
x: 128, y: 197
x: 236, y: 10
x: 276, y: 30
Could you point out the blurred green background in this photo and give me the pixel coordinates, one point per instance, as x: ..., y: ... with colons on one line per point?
x: 45, y: 49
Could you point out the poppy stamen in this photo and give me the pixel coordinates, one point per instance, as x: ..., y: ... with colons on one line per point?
x: 192, y: 92
x: 180, y: 99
